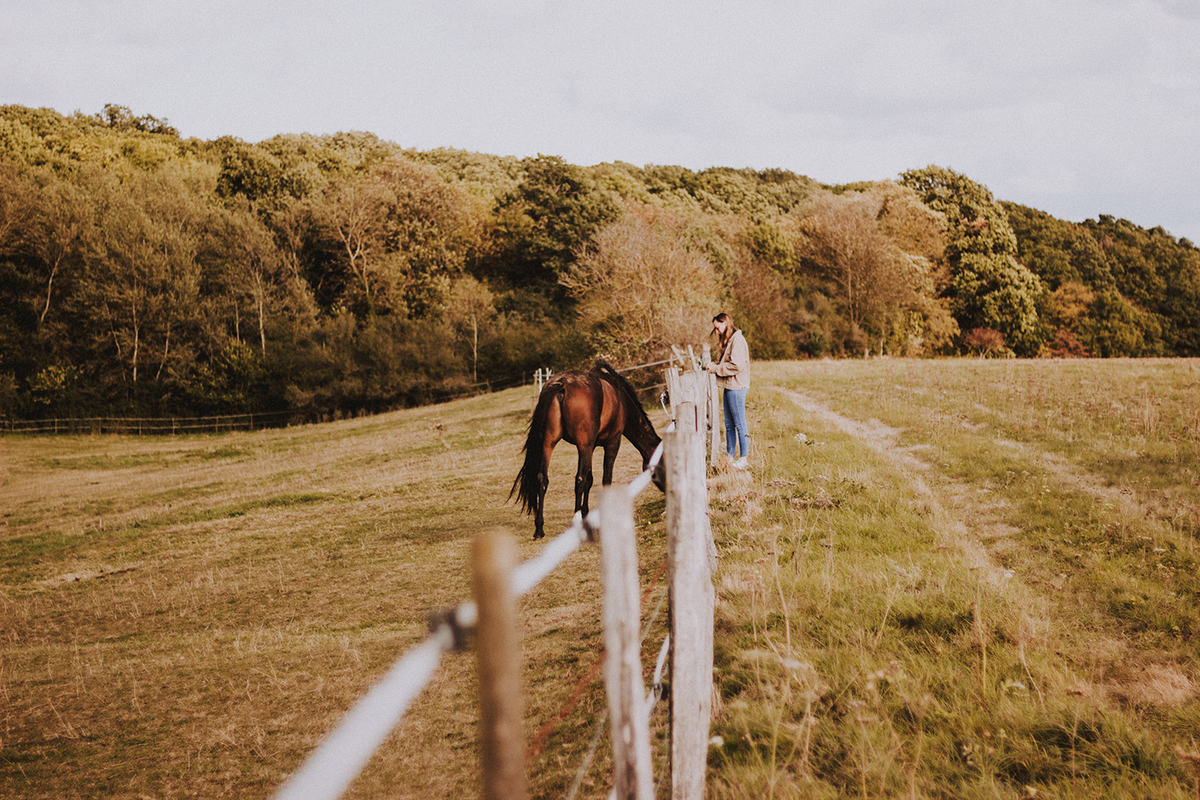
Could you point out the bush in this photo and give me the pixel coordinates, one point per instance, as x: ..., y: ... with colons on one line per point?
x: 985, y: 342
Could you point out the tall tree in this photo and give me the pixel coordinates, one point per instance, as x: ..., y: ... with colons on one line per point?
x: 139, y: 292
x: 988, y: 289
x: 544, y: 222
x: 357, y: 211
x: 469, y: 306
x: 54, y: 233
x: 857, y: 241
x: 644, y: 282
x: 431, y: 225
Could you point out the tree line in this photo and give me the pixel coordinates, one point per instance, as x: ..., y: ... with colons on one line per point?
x: 144, y: 272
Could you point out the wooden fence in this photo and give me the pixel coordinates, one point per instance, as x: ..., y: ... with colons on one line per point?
x: 692, y: 384
x: 491, y: 615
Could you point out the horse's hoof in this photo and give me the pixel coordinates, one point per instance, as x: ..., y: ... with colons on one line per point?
x: 538, y: 535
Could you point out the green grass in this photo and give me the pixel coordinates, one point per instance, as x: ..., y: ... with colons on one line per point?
x: 941, y: 579
x: 997, y: 615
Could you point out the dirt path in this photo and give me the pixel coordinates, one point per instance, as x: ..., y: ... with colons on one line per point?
x: 968, y: 520
x: 951, y: 507
x: 972, y: 511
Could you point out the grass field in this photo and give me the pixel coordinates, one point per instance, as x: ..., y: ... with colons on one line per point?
x: 941, y: 579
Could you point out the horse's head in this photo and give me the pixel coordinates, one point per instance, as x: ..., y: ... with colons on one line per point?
x: 659, y: 476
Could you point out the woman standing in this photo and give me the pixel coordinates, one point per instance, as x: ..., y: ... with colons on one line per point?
x: 732, y: 368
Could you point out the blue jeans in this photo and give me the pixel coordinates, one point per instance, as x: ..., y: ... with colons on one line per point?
x: 736, y: 431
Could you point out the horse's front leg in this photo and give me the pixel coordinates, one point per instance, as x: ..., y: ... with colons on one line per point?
x: 583, y: 479
x: 610, y: 458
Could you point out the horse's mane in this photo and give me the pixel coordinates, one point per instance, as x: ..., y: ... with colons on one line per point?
x: 625, y: 389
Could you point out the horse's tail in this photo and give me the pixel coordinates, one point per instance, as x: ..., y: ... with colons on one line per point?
x: 525, y: 487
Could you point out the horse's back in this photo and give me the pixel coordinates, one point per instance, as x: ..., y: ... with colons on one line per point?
x: 591, y: 408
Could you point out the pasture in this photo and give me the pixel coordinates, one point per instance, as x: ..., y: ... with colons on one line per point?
x: 950, y: 579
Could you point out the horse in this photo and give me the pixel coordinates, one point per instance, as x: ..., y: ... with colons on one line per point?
x: 587, y: 409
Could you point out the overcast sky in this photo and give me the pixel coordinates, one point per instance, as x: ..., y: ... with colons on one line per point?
x: 1076, y: 107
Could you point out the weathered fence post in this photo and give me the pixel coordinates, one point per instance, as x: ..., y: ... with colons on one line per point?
x: 714, y: 409
x: 499, y: 657
x: 691, y: 591
x: 632, y: 768
x: 673, y: 391
x: 540, y: 377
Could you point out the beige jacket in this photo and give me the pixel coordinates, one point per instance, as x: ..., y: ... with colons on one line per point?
x: 733, y: 370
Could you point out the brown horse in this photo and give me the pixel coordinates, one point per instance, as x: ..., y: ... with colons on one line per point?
x: 587, y: 409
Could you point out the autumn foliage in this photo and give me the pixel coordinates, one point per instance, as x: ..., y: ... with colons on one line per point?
x: 143, y: 272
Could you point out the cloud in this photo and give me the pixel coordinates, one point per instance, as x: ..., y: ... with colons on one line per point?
x: 1078, y: 102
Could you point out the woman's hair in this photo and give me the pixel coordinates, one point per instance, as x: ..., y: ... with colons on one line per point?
x: 730, y: 330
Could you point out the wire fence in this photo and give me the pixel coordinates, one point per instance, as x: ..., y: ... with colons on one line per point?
x: 329, y: 770
x: 691, y: 556
x: 226, y: 423
x: 144, y: 426
x: 344, y: 752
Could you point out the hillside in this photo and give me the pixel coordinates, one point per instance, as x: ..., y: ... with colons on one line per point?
x: 950, y: 578
x: 143, y: 273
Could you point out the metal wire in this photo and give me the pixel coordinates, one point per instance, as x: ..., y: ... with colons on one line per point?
x: 330, y: 769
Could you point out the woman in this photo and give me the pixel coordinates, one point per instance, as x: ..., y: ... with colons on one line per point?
x: 732, y: 368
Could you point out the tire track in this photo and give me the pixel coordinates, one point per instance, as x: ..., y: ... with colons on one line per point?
x: 967, y: 520
x: 950, y: 522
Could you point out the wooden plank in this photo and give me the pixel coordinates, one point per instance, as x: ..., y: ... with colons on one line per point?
x: 673, y: 389
x: 689, y: 551
x: 632, y: 768
x: 714, y: 414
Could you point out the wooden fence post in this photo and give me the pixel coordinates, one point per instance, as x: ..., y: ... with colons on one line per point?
x: 715, y: 428
x: 498, y: 652
x: 691, y: 591
x: 632, y: 768
x: 714, y: 411
x: 673, y: 391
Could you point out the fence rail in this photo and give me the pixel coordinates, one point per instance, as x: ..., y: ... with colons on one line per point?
x: 219, y: 423
x: 346, y: 750
x: 329, y: 770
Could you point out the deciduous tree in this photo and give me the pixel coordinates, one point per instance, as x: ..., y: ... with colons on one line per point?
x: 644, y: 282
x: 987, y: 289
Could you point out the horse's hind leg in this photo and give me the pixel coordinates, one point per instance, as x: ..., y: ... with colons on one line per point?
x: 583, y: 480
x: 543, y: 481
x: 540, y: 505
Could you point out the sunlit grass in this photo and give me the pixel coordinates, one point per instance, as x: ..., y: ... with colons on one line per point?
x: 187, y: 616
x: 977, y: 580
x: 952, y: 603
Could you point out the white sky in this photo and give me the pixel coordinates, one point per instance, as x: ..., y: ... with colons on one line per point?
x: 1076, y: 107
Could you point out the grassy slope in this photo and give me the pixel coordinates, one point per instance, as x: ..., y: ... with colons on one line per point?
x: 971, y: 578
x: 188, y: 615
x: 962, y: 579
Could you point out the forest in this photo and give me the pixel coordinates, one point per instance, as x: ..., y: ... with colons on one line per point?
x: 142, y: 272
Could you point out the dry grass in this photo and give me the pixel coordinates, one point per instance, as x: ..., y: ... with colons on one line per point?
x: 187, y: 616
x: 953, y: 579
